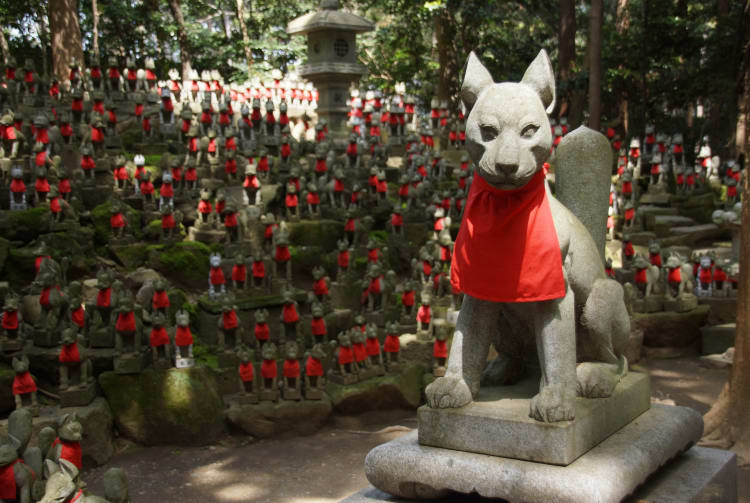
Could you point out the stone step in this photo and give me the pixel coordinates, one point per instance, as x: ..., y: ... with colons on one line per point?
x: 691, y: 234
x: 718, y: 338
x: 662, y: 224
x: 648, y: 213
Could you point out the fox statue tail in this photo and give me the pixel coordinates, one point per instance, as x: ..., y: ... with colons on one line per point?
x: 583, y: 171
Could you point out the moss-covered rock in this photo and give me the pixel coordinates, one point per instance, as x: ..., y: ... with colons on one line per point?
x: 392, y: 391
x: 322, y: 233
x: 304, y: 258
x: 670, y: 329
x: 4, y: 249
x: 287, y: 418
x: 178, y: 407
x: 131, y: 256
x: 25, y: 225
x: 183, y: 263
x: 100, y: 215
x: 152, y: 231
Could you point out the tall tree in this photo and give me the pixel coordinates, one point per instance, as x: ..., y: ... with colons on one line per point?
x: 242, y: 21
x: 596, y: 19
x: 95, y: 21
x: 182, y: 38
x: 726, y: 422
x: 65, y: 34
x: 566, y: 52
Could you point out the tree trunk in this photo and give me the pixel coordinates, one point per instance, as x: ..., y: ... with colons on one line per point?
x: 4, y: 47
x: 95, y: 21
x: 622, y: 23
x: 596, y: 18
x: 242, y: 21
x: 566, y: 50
x: 726, y: 422
x: 445, y: 33
x: 174, y: 6
x: 65, y: 35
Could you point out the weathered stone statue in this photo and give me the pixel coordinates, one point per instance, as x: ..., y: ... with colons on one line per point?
x: 314, y: 380
x: 24, y: 384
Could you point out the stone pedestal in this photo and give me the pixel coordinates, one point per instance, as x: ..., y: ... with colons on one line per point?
x: 498, y: 423
x: 240, y: 399
x: 608, y: 473
x: 682, y: 304
x: 78, y: 396
x: 130, y: 363
x: 46, y: 338
x: 102, y: 338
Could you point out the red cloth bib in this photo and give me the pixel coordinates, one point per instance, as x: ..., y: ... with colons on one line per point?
x: 230, y: 320
x: 343, y: 259
x: 217, y: 276
x: 166, y: 190
x: 313, y: 198
x: 10, y: 320
x: 440, y: 349
x: 320, y: 287
x: 160, y: 299
x: 345, y: 355
x: 519, y: 224
x: 372, y: 346
x: 183, y: 336
x: 360, y: 352
x: 372, y: 255
x: 125, y: 322
x: 705, y: 275
x: 291, y: 368
x: 655, y: 259
x: 262, y: 332
x: 407, y: 299
x: 117, y: 221
x: 8, y: 490
x: 44, y: 296
x: 246, y: 372
x: 103, y: 297
x: 259, y: 269
x: 23, y: 383
x: 313, y: 367
x: 289, y: 313
x: 251, y: 181
x: 239, y: 272
x: 674, y: 275
x: 291, y: 200
x: 282, y: 254
x: 640, y: 276
x: 70, y: 451
x: 397, y: 220
x: 204, y: 206
x: 69, y: 353
x: 159, y: 337
x: 320, y: 166
x: 268, y: 369
x: 424, y: 314
x: 629, y: 250
x: 318, y: 326
x: 230, y: 220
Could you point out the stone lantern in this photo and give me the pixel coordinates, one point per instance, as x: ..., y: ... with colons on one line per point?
x: 332, y: 64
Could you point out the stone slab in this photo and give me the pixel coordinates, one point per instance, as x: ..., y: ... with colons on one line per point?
x: 608, y: 473
x: 78, y: 396
x: 717, y: 338
x: 497, y: 423
x: 699, y: 475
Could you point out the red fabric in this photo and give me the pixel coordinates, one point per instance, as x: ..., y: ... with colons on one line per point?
x: 291, y: 369
x: 125, y: 322
x: 318, y: 326
x: 313, y: 198
x: 674, y: 275
x: 270, y: 119
x: 397, y: 220
x: 229, y: 320
x: 230, y: 220
x: 634, y: 153
x: 69, y: 353
x: 426, y: 268
x: 519, y: 222
x: 212, y: 145
x: 216, y: 276
x: 117, y: 221
x: 262, y: 332
x: 705, y: 275
x: 655, y: 259
x: 70, y: 451
x: 629, y: 214
x: 239, y: 272
x: 690, y: 180
x: 609, y: 271
x: 268, y: 233
x: 87, y: 162
x: 66, y: 130
x: 224, y: 118
x: 268, y: 369
x: 205, y: 206
x: 313, y: 367
x: 372, y: 255
x: 183, y: 336
x: 230, y: 166
x: 41, y: 185
x: 640, y: 276
x: 230, y: 144
x: 147, y: 188
x: 654, y: 169
x: 320, y: 166
x: 445, y: 253
x: 407, y: 299
x: 320, y: 287
x: 338, y: 185
x: 351, y: 149
x: 138, y: 110
x: 78, y: 316
x: 246, y: 372
x: 382, y: 186
x: 424, y: 314
x: 343, y: 258
x: 291, y: 200
x: 10, y: 320
x: 440, y: 349
x: 206, y: 117
x: 680, y: 179
x: 114, y: 73
x: 64, y: 186
x: 168, y: 105
x: 42, y: 135
x: 732, y: 191
x: 627, y: 188
x: 360, y: 352
x: 286, y: 150
x: 159, y: 337
x: 99, y: 107
x: 392, y: 343
x: 282, y: 254
x: 376, y: 285
x: 259, y: 269
x: 17, y: 185
x: 166, y: 190
x: 23, y: 383
x: 8, y: 489
x: 160, y: 299
x: 263, y: 164
x: 346, y: 355
x: 9, y: 133
x: 44, y: 296
x: 629, y: 250
x: 289, y: 313
x: 677, y: 149
x: 191, y: 175
x: 372, y: 346
x: 103, y: 297
x: 403, y: 191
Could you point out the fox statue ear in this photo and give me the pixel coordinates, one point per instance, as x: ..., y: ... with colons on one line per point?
x: 476, y: 79
x: 541, y: 78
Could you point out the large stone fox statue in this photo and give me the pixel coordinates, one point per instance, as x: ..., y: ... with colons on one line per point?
x: 530, y: 270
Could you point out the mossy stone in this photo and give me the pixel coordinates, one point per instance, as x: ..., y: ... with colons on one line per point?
x: 25, y: 225
x: 177, y: 407
x: 322, y: 233
x: 183, y: 263
x: 392, y: 391
x: 131, y: 256
x: 101, y: 214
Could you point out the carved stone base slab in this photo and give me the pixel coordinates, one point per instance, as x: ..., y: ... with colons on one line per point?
x: 498, y: 423
x: 130, y: 364
x: 78, y: 396
x: 682, y: 304
x: 46, y: 338
x: 606, y: 474
x: 313, y: 394
x: 239, y: 399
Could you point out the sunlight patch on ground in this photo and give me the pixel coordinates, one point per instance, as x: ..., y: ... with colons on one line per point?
x: 240, y: 492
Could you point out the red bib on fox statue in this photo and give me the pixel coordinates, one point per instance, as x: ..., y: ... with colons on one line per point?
x: 507, y: 249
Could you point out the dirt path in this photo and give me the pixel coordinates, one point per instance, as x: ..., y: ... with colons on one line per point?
x: 328, y: 466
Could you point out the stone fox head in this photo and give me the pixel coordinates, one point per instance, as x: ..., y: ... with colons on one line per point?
x: 507, y: 130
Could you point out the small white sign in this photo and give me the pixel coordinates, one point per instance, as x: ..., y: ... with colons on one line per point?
x: 184, y: 363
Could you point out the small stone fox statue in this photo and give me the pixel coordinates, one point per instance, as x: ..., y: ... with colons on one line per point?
x: 508, y: 137
x: 24, y: 384
x: 73, y: 360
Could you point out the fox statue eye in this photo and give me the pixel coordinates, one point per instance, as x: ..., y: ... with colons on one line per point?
x: 489, y: 133
x: 529, y: 131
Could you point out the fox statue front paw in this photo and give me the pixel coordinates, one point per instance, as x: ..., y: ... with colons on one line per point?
x: 553, y: 404
x: 448, y: 392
